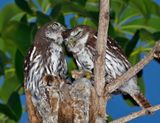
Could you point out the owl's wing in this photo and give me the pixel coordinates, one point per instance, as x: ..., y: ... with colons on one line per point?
x: 112, y: 46
x: 26, y: 61
x: 115, y: 48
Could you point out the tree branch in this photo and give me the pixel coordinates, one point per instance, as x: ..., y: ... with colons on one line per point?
x: 134, y: 70
x: 99, y: 70
x: 136, y: 114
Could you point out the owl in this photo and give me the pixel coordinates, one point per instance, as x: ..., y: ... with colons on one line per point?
x: 81, y: 42
x: 45, y: 60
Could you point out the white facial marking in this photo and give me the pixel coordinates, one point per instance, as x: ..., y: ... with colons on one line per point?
x: 51, y: 35
x: 73, y: 33
x: 84, y: 39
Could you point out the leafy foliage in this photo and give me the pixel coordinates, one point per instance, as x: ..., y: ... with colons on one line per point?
x: 133, y: 23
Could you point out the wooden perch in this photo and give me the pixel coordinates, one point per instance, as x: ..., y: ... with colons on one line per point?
x: 99, y: 70
x: 136, y: 114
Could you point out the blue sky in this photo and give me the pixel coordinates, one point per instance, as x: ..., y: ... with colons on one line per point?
x: 116, y: 106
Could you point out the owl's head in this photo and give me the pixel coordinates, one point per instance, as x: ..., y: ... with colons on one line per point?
x: 54, y: 31
x: 51, y: 32
x: 75, y: 39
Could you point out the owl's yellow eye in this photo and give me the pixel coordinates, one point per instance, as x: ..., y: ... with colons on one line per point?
x: 72, y: 42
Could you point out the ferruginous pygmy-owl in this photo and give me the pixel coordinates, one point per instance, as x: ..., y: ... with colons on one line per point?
x: 81, y: 42
x: 44, y: 61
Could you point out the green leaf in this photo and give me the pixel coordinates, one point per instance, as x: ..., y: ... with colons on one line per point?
x: 71, y: 65
x: 156, y: 36
x: 129, y: 100
x: 74, y: 21
x: 2, y: 44
x: 61, y: 19
x: 13, y: 108
x: 89, y: 22
x: 72, y: 7
x: 19, y: 60
x: 145, y: 35
x: 5, y: 109
x: 45, y: 5
x: 140, y: 82
x: 57, y: 15
x: 122, y: 41
x: 20, y: 35
x: 111, y: 32
x: 82, y: 2
x: 56, y: 11
x: 2, y: 62
x: 24, y: 19
x: 33, y: 31
x: 139, y: 50
x: 42, y: 18
x: 6, y: 14
x: 141, y: 7
x: 92, y: 6
x: 145, y: 7
x: 22, y: 4
x: 5, y: 119
x: 135, y: 15
x: 132, y: 43
x: 10, y: 84
x: 15, y: 104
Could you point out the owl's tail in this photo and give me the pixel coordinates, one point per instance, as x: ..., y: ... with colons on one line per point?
x: 141, y: 100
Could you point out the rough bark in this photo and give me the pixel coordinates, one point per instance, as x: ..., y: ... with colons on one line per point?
x: 136, y: 114
x: 99, y: 70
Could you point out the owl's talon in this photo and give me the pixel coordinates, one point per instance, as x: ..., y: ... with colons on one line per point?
x: 80, y: 74
x: 76, y: 74
x: 87, y: 74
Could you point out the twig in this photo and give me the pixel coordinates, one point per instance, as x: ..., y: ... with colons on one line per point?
x: 99, y: 70
x: 136, y: 114
x: 133, y: 70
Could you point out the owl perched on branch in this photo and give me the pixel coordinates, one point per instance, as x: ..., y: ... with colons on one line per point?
x: 81, y: 42
x: 44, y: 62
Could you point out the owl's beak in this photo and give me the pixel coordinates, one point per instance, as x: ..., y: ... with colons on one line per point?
x: 66, y: 33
